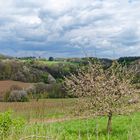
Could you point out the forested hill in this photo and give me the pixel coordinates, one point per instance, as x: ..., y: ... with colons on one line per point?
x: 128, y: 60
x: 31, y: 69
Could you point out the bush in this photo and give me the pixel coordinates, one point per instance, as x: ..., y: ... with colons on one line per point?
x: 15, y: 93
x: 5, y: 123
x: 18, y: 96
x: 45, y: 78
x: 38, y: 91
x: 8, y: 124
x: 6, y: 96
x: 41, y: 90
x: 56, y: 91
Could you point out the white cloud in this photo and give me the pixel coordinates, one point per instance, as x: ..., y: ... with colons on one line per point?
x: 92, y: 24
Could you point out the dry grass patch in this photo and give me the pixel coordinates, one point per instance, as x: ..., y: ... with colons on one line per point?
x: 43, y: 109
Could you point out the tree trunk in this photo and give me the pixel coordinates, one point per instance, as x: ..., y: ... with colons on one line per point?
x: 109, y: 124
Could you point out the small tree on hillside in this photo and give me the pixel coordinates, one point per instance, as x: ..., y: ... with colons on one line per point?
x: 51, y: 58
x: 101, y: 92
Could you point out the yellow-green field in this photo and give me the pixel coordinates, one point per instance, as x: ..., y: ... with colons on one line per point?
x: 51, y: 119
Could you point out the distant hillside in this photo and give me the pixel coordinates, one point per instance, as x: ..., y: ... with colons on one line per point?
x: 4, y: 56
x: 31, y: 69
x: 128, y: 60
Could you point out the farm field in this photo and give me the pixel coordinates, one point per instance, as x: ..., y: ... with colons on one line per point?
x: 51, y: 63
x: 52, y: 119
x: 6, y: 84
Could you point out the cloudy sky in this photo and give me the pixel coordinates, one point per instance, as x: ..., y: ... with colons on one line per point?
x: 70, y: 28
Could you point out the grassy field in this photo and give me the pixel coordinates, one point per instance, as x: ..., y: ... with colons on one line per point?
x: 124, y: 128
x: 39, y: 110
x: 52, y: 63
x: 51, y: 119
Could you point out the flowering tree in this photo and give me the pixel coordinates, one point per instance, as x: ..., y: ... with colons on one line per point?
x: 101, y: 92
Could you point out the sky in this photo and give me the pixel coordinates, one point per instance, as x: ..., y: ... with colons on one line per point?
x: 70, y: 28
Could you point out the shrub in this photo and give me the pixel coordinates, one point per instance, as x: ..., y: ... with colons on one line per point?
x: 56, y: 91
x: 18, y: 96
x: 8, y: 124
x: 5, y: 123
x: 38, y: 90
x: 41, y: 90
x: 6, y: 96
x: 45, y: 78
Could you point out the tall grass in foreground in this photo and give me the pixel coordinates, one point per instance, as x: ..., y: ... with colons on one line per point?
x: 125, y: 128
x: 42, y: 123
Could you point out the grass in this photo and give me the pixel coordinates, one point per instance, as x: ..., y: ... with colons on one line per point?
x: 38, y: 116
x: 55, y: 63
x: 124, y: 128
x: 43, y: 109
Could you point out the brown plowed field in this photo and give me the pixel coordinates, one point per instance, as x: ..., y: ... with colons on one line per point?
x: 5, y: 85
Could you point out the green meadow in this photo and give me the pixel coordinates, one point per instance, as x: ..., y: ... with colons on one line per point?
x: 51, y: 119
